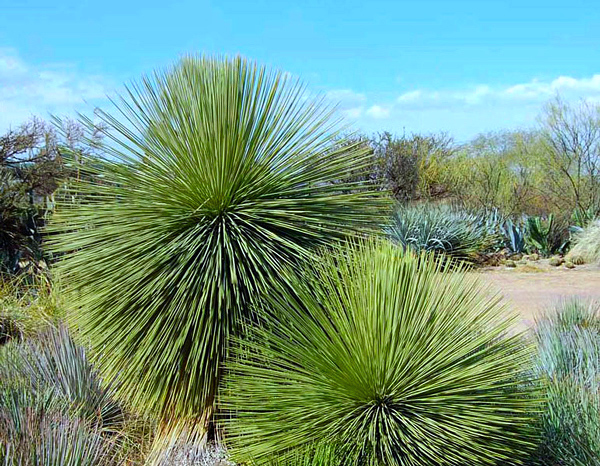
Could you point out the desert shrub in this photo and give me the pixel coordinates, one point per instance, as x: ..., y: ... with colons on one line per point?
x: 497, y: 171
x: 586, y: 246
x: 570, y: 159
x: 569, y: 362
x: 386, y: 360
x: 26, y: 306
x: 442, y: 229
x: 33, y: 165
x: 410, y: 165
x: 224, y: 175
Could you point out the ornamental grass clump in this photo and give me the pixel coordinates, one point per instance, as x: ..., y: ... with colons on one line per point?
x: 569, y: 364
x: 587, y: 245
x: 385, y: 358
x: 54, y: 410
x: 218, y: 174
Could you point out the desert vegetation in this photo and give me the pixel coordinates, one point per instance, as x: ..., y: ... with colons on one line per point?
x: 215, y: 272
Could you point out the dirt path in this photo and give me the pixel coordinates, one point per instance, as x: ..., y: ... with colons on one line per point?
x: 531, y: 293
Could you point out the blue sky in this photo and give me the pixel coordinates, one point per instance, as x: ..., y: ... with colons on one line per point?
x: 459, y: 66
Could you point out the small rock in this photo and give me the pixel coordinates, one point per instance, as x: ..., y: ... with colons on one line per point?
x: 534, y: 257
x: 569, y: 265
x: 556, y: 261
x: 510, y: 263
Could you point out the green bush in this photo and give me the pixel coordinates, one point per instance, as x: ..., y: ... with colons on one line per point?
x: 387, y: 360
x: 442, y: 229
x: 569, y: 362
x: 224, y: 175
x: 26, y: 307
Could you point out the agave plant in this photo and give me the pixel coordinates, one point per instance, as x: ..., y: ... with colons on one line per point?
x: 441, y: 229
x: 389, y: 361
x: 515, y: 235
x: 218, y: 175
x: 539, y: 233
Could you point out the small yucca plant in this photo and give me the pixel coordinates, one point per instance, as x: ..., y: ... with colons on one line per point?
x: 218, y: 175
x: 56, y: 441
x: 389, y: 361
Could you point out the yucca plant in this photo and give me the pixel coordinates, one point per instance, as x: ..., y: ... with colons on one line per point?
x: 56, y: 441
x: 314, y: 455
x: 54, y: 410
x: 218, y: 175
x: 388, y: 360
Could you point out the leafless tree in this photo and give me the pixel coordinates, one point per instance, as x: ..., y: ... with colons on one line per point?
x: 571, y: 158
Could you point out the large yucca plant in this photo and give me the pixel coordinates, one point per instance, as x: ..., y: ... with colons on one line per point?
x: 218, y: 174
x: 388, y: 360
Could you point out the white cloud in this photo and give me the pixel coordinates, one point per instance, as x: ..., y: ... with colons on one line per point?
x: 350, y: 104
x: 532, y: 91
x: 378, y: 112
x: 354, y: 112
x: 345, y: 96
x: 27, y: 89
x: 411, y: 96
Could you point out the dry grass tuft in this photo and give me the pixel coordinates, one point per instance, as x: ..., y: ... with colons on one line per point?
x: 587, y: 245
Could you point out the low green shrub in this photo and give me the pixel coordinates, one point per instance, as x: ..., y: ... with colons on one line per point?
x: 441, y: 228
x: 387, y: 360
x: 25, y: 307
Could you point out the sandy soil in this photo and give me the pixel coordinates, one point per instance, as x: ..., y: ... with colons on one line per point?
x: 532, y: 293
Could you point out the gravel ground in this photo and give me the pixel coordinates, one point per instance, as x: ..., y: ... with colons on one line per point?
x: 530, y: 293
